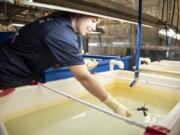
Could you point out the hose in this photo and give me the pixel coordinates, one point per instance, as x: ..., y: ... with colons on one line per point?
x: 136, y: 73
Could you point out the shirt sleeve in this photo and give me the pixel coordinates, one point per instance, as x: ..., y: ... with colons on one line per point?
x: 63, y: 44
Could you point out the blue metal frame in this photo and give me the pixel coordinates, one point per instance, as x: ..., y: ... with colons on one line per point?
x: 136, y: 73
x: 126, y: 59
x: 62, y: 73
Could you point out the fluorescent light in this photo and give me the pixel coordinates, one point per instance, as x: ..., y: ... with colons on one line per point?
x: 176, y: 36
x: 76, y: 11
x: 17, y: 24
x: 94, y: 32
x: 170, y: 33
x: 93, y: 44
x: 120, y: 43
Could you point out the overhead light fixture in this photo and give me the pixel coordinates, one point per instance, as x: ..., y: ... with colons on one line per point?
x: 76, y: 11
x: 93, y: 44
x: 17, y: 24
x: 170, y: 33
x: 94, y: 32
x: 120, y: 43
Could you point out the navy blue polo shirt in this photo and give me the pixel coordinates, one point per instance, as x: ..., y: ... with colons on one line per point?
x: 38, y: 46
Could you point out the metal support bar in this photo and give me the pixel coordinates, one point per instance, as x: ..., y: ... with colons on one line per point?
x: 98, y: 8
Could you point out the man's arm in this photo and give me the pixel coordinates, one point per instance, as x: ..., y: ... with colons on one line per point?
x: 82, y: 74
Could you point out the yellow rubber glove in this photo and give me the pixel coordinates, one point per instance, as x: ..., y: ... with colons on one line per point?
x: 116, y: 107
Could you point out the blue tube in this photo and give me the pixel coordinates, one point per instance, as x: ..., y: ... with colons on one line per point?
x: 136, y: 73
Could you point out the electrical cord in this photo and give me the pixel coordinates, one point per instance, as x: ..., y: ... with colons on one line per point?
x: 177, y: 25
x: 163, y: 10
x: 172, y: 19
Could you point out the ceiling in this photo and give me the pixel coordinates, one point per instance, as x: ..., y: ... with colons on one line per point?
x: 12, y: 11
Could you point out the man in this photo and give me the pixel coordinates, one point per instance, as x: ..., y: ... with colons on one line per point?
x: 46, y: 42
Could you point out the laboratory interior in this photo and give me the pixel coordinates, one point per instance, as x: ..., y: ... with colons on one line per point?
x: 89, y: 67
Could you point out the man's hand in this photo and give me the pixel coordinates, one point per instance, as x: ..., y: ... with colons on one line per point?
x: 89, y: 82
x: 116, y: 107
x: 90, y: 63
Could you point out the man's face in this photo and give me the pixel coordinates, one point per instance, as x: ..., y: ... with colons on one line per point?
x: 87, y: 24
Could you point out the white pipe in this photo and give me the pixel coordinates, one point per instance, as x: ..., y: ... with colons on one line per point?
x: 119, y: 63
x: 132, y: 122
